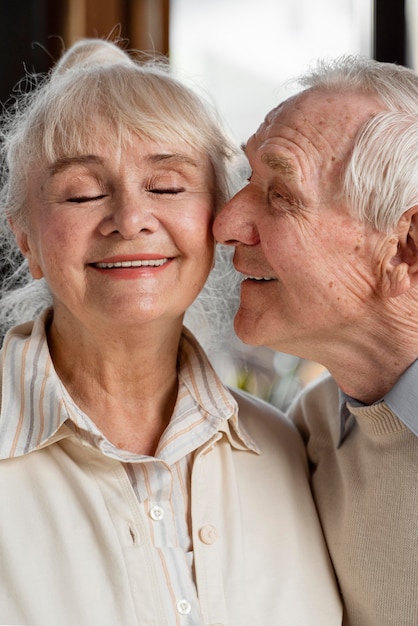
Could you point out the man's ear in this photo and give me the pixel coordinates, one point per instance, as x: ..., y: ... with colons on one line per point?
x: 402, y: 267
x: 24, y: 243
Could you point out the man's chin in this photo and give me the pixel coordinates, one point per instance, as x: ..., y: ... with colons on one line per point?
x: 246, y: 329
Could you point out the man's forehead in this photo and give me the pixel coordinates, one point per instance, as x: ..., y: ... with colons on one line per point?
x: 318, y: 109
x: 316, y: 121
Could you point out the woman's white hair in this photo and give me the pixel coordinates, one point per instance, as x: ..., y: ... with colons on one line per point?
x: 380, y: 180
x: 97, y: 80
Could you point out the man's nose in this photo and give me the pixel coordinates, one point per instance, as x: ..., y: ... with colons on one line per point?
x: 234, y: 224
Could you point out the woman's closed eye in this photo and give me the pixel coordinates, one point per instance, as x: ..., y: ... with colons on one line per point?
x: 82, y: 199
x: 165, y: 190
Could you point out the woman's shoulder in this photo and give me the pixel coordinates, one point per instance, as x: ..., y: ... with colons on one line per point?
x: 265, y: 423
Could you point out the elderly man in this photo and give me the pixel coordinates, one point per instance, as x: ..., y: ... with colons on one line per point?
x: 326, y: 236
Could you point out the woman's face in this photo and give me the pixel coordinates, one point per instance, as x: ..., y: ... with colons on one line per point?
x: 122, y: 236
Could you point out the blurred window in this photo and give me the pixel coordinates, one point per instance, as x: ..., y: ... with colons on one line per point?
x: 243, y: 51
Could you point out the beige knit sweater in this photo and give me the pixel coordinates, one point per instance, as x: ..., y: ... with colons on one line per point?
x: 367, y: 496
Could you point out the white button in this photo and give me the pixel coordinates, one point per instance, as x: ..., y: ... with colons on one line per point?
x: 208, y: 534
x: 184, y: 607
x: 157, y: 513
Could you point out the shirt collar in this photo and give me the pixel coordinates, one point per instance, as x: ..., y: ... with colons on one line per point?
x: 33, y: 410
x: 205, y: 410
x: 32, y: 413
x: 202, y: 382
x: 402, y: 399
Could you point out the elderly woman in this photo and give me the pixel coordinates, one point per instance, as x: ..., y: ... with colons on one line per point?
x: 136, y: 489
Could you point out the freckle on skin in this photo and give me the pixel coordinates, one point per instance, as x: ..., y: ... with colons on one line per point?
x: 331, y: 284
x: 357, y: 248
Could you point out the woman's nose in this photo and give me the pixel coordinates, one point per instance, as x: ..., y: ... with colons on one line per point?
x: 130, y: 215
x: 234, y: 224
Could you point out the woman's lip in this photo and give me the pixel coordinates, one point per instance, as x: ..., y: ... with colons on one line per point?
x: 132, y: 269
x: 158, y: 262
x: 121, y: 258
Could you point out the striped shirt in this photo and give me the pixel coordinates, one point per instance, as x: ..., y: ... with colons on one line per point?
x: 40, y: 411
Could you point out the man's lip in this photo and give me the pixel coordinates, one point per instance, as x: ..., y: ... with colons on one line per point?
x: 247, y: 275
x: 258, y: 278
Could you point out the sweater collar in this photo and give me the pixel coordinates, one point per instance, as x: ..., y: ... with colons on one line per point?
x: 400, y: 402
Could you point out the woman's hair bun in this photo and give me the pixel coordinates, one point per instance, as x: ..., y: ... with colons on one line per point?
x: 91, y: 52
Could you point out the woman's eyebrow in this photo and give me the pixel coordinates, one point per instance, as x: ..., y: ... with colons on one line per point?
x: 172, y: 158
x: 64, y: 162
x: 92, y: 159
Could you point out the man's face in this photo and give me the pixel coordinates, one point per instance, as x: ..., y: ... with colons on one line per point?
x: 312, y: 270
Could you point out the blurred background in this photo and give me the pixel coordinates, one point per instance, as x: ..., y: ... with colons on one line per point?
x: 242, y: 54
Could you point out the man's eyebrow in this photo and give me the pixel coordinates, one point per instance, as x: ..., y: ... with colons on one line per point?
x: 278, y: 163
x: 275, y: 162
x: 64, y: 162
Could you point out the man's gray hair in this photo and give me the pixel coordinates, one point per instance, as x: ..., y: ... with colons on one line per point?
x: 380, y: 180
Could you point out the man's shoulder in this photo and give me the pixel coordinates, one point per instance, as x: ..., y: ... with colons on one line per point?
x: 316, y: 408
x: 253, y: 407
x: 323, y: 392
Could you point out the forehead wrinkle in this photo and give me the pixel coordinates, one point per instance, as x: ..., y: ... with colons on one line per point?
x: 309, y: 131
x: 332, y: 119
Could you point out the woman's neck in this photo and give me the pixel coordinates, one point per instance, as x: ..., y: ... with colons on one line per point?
x: 127, y: 388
